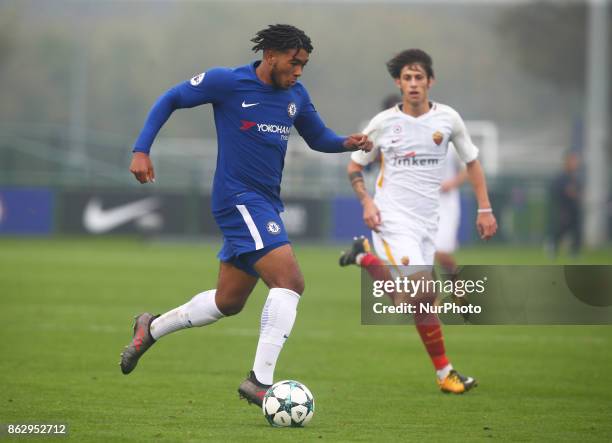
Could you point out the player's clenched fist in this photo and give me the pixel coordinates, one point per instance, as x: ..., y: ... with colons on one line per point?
x: 487, y: 225
x: 142, y: 168
x: 355, y: 142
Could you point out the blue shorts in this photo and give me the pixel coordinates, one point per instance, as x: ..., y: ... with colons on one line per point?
x: 250, y: 230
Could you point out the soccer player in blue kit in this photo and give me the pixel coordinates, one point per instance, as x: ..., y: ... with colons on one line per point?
x: 255, y: 106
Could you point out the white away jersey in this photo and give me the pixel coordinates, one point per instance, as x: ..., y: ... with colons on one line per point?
x: 413, y: 161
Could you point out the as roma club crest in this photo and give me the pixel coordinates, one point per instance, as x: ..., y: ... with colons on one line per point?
x: 437, y: 137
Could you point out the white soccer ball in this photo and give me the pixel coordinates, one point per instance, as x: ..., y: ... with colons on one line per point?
x: 288, y: 403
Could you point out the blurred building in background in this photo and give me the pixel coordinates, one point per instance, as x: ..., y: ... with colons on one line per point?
x: 78, y: 78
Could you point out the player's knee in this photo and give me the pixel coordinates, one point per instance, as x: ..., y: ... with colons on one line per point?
x: 232, y: 310
x: 295, y: 282
x: 299, y: 285
x: 230, y: 305
x: 229, y: 309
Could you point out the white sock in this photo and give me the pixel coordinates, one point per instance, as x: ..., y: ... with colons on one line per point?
x: 443, y: 373
x: 199, y: 311
x: 277, y: 318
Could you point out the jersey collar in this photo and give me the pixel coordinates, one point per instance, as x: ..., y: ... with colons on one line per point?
x: 432, y: 108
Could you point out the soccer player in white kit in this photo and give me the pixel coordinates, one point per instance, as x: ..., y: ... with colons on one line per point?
x: 412, y: 139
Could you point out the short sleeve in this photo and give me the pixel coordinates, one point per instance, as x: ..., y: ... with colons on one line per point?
x: 460, y: 137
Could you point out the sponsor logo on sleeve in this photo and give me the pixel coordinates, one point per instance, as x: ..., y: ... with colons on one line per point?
x: 195, y: 81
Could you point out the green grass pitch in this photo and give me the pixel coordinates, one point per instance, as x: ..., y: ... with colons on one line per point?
x: 66, y: 307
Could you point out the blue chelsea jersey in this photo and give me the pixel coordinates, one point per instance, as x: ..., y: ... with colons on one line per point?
x: 253, y: 121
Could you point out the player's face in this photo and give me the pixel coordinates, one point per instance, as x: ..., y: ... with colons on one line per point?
x: 414, y: 84
x: 287, y: 67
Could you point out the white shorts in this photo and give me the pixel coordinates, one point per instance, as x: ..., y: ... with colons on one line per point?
x: 450, y: 213
x: 409, y: 248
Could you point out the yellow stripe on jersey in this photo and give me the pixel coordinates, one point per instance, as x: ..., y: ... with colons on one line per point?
x: 388, y: 252
x: 398, y: 269
x: 382, y: 171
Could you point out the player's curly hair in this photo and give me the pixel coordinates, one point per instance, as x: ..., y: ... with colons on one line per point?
x: 281, y: 38
x: 410, y: 57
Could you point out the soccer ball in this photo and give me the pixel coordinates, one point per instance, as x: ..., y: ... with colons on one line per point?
x: 288, y: 403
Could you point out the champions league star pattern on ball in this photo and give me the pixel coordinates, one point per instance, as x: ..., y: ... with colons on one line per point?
x: 288, y: 403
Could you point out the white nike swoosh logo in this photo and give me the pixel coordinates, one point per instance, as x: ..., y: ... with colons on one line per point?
x: 98, y: 220
x: 248, y: 105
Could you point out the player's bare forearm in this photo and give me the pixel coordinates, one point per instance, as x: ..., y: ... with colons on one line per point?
x: 479, y: 184
x: 355, y: 175
x: 485, y: 221
x: 371, y: 214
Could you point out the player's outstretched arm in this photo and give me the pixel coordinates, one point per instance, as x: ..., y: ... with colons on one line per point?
x: 208, y: 87
x: 141, y: 165
x: 371, y: 214
x: 320, y: 138
x: 485, y: 221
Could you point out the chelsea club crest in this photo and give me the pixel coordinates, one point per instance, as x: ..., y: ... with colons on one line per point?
x: 273, y: 227
x: 291, y: 109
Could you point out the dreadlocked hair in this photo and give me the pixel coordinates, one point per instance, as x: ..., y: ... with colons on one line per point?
x: 281, y: 38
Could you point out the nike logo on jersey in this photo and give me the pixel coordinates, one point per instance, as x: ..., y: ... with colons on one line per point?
x: 99, y: 221
x: 248, y: 105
